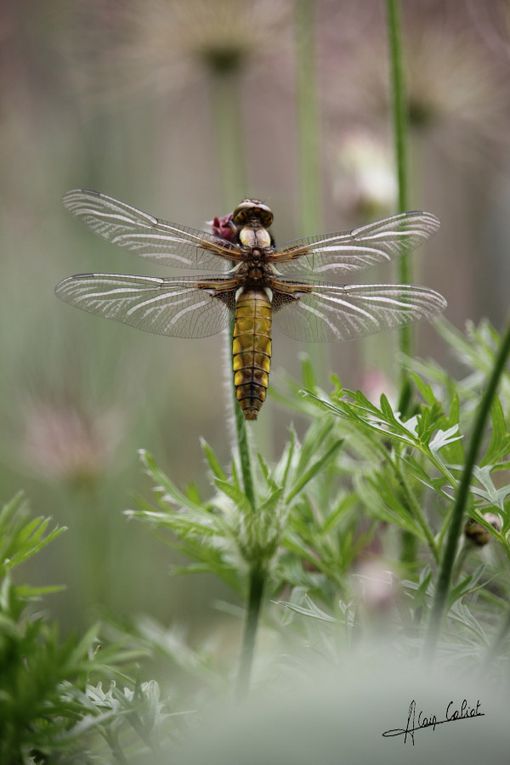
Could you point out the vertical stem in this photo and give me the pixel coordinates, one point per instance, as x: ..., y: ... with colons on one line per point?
x: 255, y: 594
x: 415, y: 509
x: 310, y: 215
x: 308, y: 133
x: 229, y: 142
x: 460, y: 561
x: 400, y: 137
x: 455, y: 529
x: 226, y: 106
x: 231, y: 161
x: 408, y: 544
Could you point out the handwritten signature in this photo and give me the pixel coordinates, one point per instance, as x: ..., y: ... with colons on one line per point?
x: 417, y: 722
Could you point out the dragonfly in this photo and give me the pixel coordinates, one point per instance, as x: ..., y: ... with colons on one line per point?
x: 247, y: 281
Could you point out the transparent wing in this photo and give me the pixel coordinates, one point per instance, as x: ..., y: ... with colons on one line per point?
x: 173, y: 306
x: 150, y: 237
x: 328, y: 312
x: 362, y: 247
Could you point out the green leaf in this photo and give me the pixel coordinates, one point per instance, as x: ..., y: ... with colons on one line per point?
x: 499, y: 446
x: 84, y: 646
x: 270, y: 504
x: 444, y: 438
x: 310, y: 609
x: 333, y: 518
x: 234, y: 492
x: 315, y: 438
x: 164, y: 487
x: 212, y: 461
x: 266, y: 473
x: 284, y: 465
x: 34, y: 542
x: 313, y: 470
x: 308, y: 378
x: 424, y: 388
x: 489, y: 492
x: 26, y: 592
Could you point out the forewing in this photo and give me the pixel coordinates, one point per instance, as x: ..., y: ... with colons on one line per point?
x: 172, y: 306
x: 362, y: 247
x: 167, y: 243
x: 327, y: 312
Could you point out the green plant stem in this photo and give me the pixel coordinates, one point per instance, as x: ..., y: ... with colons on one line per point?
x: 400, y: 138
x: 460, y: 560
x: 227, y: 116
x: 226, y: 106
x: 231, y: 161
x: 455, y: 528
x: 416, y: 511
x: 257, y: 580
x: 310, y: 215
x: 408, y: 546
x: 308, y: 130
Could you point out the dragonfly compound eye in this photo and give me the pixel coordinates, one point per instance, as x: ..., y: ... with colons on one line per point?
x: 240, y: 215
x: 266, y: 216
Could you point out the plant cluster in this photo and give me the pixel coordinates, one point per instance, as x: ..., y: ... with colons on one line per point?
x: 323, y: 528
x: 64, y: 699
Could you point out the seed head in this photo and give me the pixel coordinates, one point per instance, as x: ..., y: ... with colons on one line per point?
x: 164, y: 45
x: 455, y: 94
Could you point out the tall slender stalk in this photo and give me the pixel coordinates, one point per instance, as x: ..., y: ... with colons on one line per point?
x: 229, y: 142
x: 225, y: 99
x: 455, y: 528
x: 257, y: 582
x: 308, y: 125
x: 408, y: 541
x: 400, y: 137
x: 231, y: 161
x: 310, y: 207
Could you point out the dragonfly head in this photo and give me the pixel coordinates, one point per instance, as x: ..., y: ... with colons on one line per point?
x: 252, y: 210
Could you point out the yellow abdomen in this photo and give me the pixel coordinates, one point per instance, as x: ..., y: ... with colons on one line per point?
x: 251, y: 350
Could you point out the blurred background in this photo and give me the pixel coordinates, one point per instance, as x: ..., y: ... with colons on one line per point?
x: 182, y: 108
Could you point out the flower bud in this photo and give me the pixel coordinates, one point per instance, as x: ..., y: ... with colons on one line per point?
x: 477, y: 533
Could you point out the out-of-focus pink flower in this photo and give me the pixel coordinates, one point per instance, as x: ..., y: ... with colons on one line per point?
x: 374, y: 383
x: 376, y: 585
x: 63, y: 442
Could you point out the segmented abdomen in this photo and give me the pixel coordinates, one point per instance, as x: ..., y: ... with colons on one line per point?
x: 251, y: 350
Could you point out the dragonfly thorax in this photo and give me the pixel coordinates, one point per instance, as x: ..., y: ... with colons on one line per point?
x: 255, y: 272
x: 255, y: 236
